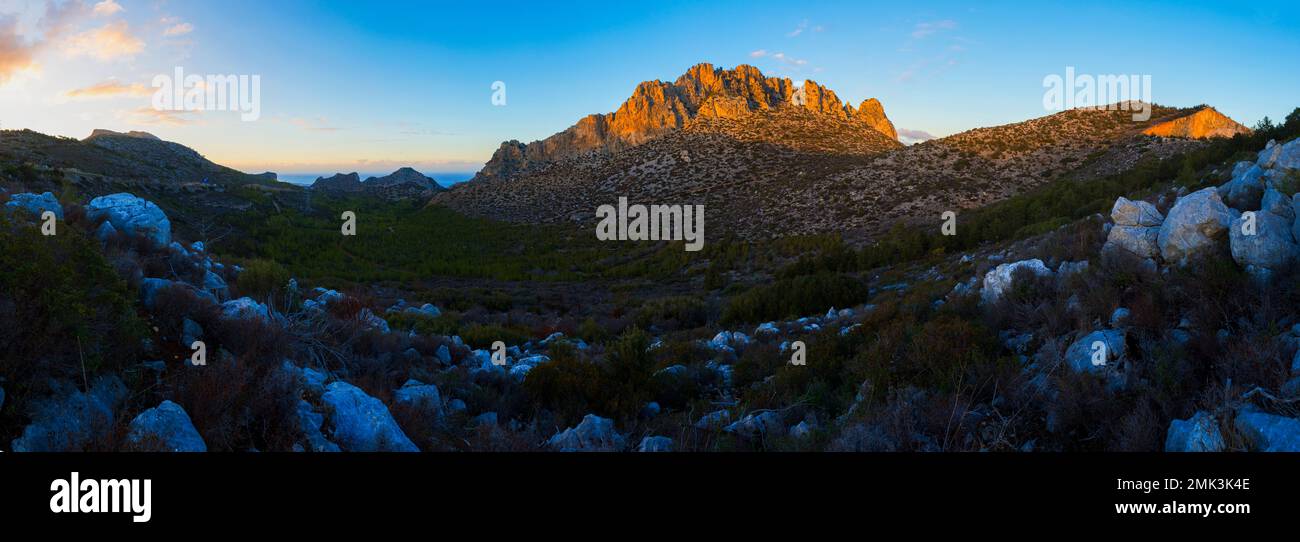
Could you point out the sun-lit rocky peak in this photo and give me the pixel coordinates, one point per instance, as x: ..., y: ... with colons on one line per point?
x: 659, y: 107
x: 1205, y: 123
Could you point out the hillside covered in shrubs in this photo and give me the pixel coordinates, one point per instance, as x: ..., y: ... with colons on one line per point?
x: 1127, y: 312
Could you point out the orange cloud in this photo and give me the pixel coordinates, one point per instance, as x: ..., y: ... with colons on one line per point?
x: 163, y: 117
x: 108, y: 42
x: 19, y: 46
x: 109, y: 89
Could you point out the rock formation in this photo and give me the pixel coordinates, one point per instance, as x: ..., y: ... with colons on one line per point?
x: 1205, y: 123
x: 657, y: 107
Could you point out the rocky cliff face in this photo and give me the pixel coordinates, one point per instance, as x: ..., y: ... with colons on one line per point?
x: 1205, y: 123
x: 658, y: 107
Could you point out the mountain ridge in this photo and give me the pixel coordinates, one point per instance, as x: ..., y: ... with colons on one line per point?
x: 658, y: 107
x: 801, y: 175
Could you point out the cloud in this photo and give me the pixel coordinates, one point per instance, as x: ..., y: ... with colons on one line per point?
x: 179, y: 29
x: 923, y: 30
x: 109, y: 89
x: 107, y: 8
x: 108, y: 42
x: 15, y: 55
x: 782, y: 58
x: 909, y: 137
x: 18, y: 47
x: 798, y: 30
x: 162, y: 117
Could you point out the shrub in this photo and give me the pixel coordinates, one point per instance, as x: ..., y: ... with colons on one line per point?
x: 671, y: 313
x: 483, y: 335
x: 788, y: 298
x: 63, y: 310
x: 237, y: 405
x: 263, y: 280
x: 568, y: 386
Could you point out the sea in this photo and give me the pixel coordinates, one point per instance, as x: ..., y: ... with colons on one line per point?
x: 445, y: 178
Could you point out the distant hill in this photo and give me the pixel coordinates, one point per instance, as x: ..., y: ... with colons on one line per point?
x: 132, y: 156
x: 405, y: 183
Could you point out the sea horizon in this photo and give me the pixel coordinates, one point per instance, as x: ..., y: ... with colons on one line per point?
x: 445, y: 178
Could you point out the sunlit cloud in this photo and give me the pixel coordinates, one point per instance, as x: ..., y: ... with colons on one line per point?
x: 109, y: 89
x: 178, y: 29
x: 108, y: 42
x: 19, y: 46
x: 107, y: 8
x: 758, y: 54
x: 910, y: 137
x: 160, y: 117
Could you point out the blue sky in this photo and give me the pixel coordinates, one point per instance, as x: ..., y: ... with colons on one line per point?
x: 370, y: 86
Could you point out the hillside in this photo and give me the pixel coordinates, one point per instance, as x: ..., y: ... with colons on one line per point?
x: 180, y: 179
x: 784, y: 172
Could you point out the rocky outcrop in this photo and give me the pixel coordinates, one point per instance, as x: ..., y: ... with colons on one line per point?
x: 1278, y: 156
x: 1205, y: 123
x: 361, y: 423
x: 766, y: 424
x: 1136, y: 231
x: 1135, y: 213
x: 1245, y: 188
x: 1095, y: 351
x: 36, y: 204
x: 658, y: 107
x: 1197, y: 225
x: 420, y: 396
x: 655, y: 444
x: 70, y: 420
x: 133, y: 216
x: 165, y: 428
x: 1000, y: 279
x: 594, y: 434
x: 1266, y: 245
x: 872, y: 113
x: 244, y: 308
x: 1269, y: 432
x: 1200, y: 433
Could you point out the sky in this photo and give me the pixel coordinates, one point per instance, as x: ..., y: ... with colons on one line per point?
x: 373, y: 86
